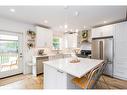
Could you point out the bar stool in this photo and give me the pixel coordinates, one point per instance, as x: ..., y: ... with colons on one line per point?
x: 88, y: 81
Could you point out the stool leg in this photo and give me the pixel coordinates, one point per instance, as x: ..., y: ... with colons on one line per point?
x: 105, y: 82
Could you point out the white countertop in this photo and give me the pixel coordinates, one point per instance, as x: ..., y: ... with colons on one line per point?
x: 74, y: 69
x: 47, y: 55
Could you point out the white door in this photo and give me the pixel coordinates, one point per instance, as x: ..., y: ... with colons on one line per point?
x: 10, y: 54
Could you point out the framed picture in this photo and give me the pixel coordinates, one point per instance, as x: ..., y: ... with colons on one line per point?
x: 84, y: 35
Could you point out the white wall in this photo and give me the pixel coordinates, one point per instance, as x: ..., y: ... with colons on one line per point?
x: 85, y: 46
x: 14, y: 26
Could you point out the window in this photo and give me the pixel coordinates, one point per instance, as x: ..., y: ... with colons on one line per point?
x: 57, y: 43
x: 8, y: 52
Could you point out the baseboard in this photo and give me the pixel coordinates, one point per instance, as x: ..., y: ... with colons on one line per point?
x: 11, y: 76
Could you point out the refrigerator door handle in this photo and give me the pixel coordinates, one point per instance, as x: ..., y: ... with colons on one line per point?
x: 101, y: 49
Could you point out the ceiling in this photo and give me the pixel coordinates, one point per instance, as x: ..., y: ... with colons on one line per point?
x: 76, y: 17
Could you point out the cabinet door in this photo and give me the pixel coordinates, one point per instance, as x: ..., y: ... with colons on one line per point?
x: 50, y: 79
x: 61, y: 79
x: 70, y: 40
x: 96, y: 32
x: 108, y: 30
x: 120, y: 43
x: 54, y: 79
x: 39, y: 66
x: 43, y: 37
x: 103, y: 31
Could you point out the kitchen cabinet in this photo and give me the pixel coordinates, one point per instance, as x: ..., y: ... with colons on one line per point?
x: 103, y: 31
x: 119, y: 33
x: 43, y: 37
x: 120, y: 51
x: 70, y: 41
x: 38, y: 65
x: 56, y: 79
x: 38, y: 62
x: 59, y: 56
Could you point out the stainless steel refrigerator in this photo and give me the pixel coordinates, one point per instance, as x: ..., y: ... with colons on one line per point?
x: 102, y: 48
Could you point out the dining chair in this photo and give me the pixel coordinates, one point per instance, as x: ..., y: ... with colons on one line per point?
x: 88, y: 81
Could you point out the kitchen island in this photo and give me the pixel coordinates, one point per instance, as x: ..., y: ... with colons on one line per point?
x: 38, y: 60
x: 59, y: 73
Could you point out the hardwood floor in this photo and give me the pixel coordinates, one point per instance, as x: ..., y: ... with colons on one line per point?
x: 112, y: 83
x: 22, y: 82
x: 30, y: 82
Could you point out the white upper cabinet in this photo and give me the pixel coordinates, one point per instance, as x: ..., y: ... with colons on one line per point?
x: 70, y: 40
x: 44, y: 37
x: 103, y: 31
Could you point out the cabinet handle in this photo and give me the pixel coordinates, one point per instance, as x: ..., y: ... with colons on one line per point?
x: 59, y: 71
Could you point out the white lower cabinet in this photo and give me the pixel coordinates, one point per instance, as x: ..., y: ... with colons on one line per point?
x: 61, y: 80
x: 39, y: 66
x: 59, y: 56
x: 49, y: 78
x: 55, y: 79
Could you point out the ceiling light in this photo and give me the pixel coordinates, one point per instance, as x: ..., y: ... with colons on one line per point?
x: 76, y: 13
x: 45, y: 21
x: 105, y: 21
x: 76, y: 30
x: 65, y: 26
x: 12, y: 10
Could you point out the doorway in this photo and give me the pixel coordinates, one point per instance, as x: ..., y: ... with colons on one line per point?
x: 10, y: 54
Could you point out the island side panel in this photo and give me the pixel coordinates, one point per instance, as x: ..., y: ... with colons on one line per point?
x: 49, y: 77
x: 56, y: 79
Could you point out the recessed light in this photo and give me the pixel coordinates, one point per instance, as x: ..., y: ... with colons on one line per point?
x: 76, y: 13
x: 12, y: 10
x: 105, y: 21
x: 45, y: 21
x: 76, y: 30
x: 84, y: 27
x: 65, y: 26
